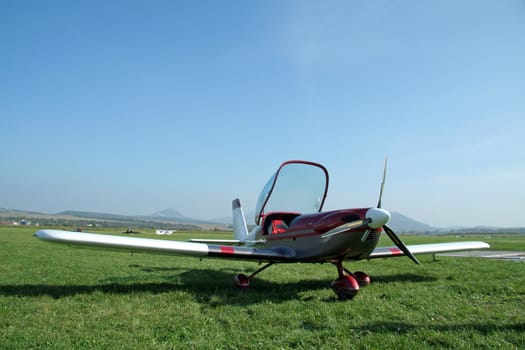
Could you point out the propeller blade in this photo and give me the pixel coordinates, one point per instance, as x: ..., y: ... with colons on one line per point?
x: 399, y: 243
x: 382, y: 185
x: 345, y: 227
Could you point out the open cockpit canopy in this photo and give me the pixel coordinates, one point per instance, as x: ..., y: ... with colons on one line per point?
x: 297, y: 187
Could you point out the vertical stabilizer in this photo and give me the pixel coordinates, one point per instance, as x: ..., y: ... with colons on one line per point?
x: 240, y: 230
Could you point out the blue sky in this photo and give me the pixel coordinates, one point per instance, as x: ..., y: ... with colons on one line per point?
x: 131, y: 107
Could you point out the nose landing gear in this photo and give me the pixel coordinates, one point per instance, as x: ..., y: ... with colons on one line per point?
x: 347, y: 284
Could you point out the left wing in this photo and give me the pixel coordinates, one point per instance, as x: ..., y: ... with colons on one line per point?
x: 161, y: 246
x: 388, y: 252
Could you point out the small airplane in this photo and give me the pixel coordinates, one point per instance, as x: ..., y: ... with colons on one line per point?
x: 290, y: 228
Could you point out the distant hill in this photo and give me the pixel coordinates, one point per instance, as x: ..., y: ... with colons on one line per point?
x: 83, y: 218
x: 403, y: 224
x: 171, y: 214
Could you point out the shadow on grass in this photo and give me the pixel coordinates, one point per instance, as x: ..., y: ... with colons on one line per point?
x: 404, y: 277
x: 403, y: 327
x: 57, y: 291
x: 209, y: 286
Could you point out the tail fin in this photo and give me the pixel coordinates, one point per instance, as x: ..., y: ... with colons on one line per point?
x: 240, y: 230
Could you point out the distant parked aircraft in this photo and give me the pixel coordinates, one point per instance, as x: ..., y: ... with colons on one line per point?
x: 165, y: 232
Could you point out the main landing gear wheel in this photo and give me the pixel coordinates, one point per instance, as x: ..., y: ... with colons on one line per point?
x: 243, y: 281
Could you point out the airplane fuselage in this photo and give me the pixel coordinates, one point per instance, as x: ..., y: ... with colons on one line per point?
x: 306, y: 235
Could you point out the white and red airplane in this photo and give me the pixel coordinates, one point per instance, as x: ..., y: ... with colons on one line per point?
x: 290, y: 227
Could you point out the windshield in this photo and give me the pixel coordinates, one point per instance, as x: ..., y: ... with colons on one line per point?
x: 297, y: 186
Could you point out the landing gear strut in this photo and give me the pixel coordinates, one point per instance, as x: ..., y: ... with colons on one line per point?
x: 243, y: 281
x: 347, y: 284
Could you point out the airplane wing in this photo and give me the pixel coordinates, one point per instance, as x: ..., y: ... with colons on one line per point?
x: 161, y: 246
x: 388, y: 252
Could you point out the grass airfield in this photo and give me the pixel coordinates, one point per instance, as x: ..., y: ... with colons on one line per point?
x: 53, y: 296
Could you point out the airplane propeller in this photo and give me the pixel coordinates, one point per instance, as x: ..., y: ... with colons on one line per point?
x: 391, y: 234
x: 375, y: 218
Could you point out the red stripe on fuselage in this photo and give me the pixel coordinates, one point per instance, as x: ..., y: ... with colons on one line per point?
x: 227, y: 250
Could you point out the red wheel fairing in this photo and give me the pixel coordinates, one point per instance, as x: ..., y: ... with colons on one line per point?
x: 362, y: 278
x: 242, y: 281
x: 346, y: 287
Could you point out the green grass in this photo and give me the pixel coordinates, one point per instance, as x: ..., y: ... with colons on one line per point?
x: 57, y: 297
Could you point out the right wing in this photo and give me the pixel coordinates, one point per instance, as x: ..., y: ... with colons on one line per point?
x: 161, y: 246
x: 388, y: 252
